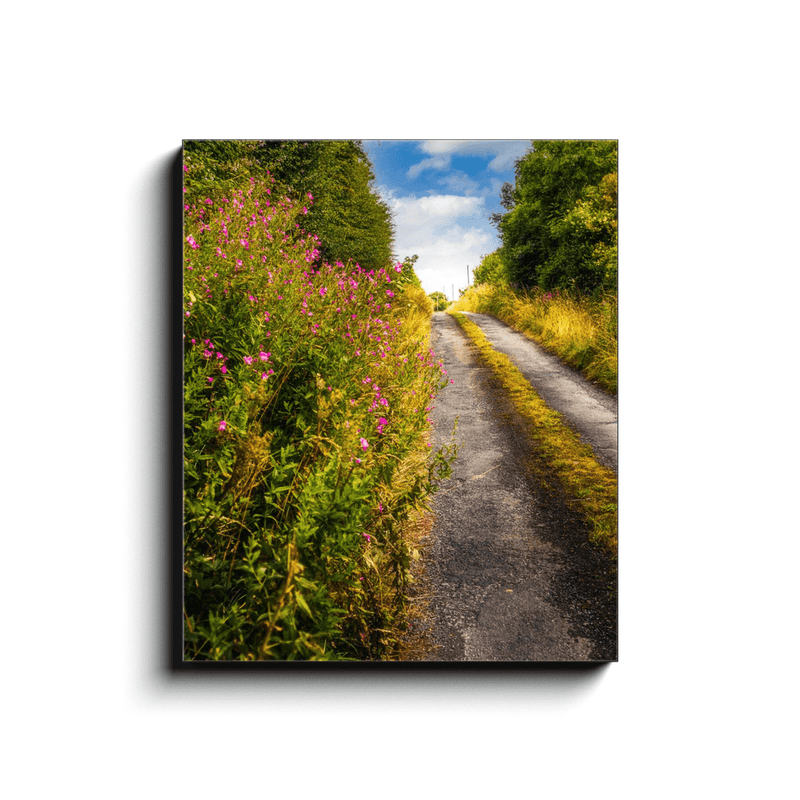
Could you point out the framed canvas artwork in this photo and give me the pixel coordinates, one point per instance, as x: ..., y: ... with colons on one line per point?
x: 399, y: 401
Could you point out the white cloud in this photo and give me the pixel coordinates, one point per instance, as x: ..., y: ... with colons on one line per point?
x: 502, y: 152
x: 505, y: 159
x: 429, y: 214
x: 442, y: 146
x: 443, y: 260
x: 441, y: 230
x: 438, y: 162
x: 458, y: 181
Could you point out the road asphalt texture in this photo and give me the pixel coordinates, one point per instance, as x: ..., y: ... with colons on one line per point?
x: 508, y: 572
x: 589, y: 410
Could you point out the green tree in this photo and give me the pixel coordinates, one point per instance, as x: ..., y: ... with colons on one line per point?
x: 546, y: 242
x: 590, y: 228
x: 506, y: 200
x: 409, y: 277
x: 440, y: 301
x: 351, y: 220
x: 492, y: 270
x: 332, y: 179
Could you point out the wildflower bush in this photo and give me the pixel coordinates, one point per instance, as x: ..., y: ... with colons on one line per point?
x: 348, y: 215
x: 308, y: 388
x: 581, y: 330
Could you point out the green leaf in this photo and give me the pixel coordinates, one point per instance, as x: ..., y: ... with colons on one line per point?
x: 302, y: 603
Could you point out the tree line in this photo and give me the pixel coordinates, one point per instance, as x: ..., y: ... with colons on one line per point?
x: 559, y: 227
x: 351, y: 220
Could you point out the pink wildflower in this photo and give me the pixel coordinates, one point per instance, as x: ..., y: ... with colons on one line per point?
x: 364, y: 444
x: 248, y: 359
x: 223, y: 425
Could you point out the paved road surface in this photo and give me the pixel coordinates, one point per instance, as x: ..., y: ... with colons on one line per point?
x: 509, y: 566
x: 588, y: 409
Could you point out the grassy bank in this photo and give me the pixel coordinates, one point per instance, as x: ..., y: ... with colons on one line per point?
x: 307, y: 393
x: 591, y: 486
x: 580, y: 331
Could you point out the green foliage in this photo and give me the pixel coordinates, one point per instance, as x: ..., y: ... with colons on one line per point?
x: 351, y: 220
x: 439, y: 300
x: 307, y: 387
x: 331, y: 179
x: 409, y: 277
x: 492, y: 270
x: 560, y: 229
x: 218, y: 167
x: 592, y: 222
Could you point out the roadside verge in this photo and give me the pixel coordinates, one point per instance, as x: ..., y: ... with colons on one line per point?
x: 591, y: 486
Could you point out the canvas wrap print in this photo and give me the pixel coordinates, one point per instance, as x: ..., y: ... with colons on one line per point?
x: 377, y: 469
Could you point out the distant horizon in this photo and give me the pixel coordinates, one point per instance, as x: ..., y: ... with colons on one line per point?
x: 441, y: 193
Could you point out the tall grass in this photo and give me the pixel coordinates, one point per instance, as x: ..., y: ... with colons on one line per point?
x: 307, y: 393
x: 582, y: 331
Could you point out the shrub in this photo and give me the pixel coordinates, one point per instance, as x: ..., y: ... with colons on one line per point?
x: 492, y: 270
x: 307, y: 390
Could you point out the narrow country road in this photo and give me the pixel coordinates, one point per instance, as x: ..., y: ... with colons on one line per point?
x: 509, y: 573
x: 589, y: 410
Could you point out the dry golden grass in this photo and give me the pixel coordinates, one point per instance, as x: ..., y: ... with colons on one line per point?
x: 580, y: 331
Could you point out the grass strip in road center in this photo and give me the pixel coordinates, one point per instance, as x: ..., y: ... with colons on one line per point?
x: 592, y: 486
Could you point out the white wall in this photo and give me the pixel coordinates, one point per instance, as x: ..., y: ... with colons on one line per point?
x: 703, y: 701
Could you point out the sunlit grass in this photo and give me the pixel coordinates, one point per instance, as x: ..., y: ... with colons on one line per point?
x: 581, y: 331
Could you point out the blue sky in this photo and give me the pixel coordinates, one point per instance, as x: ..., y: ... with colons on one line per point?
x: 441, y: 193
